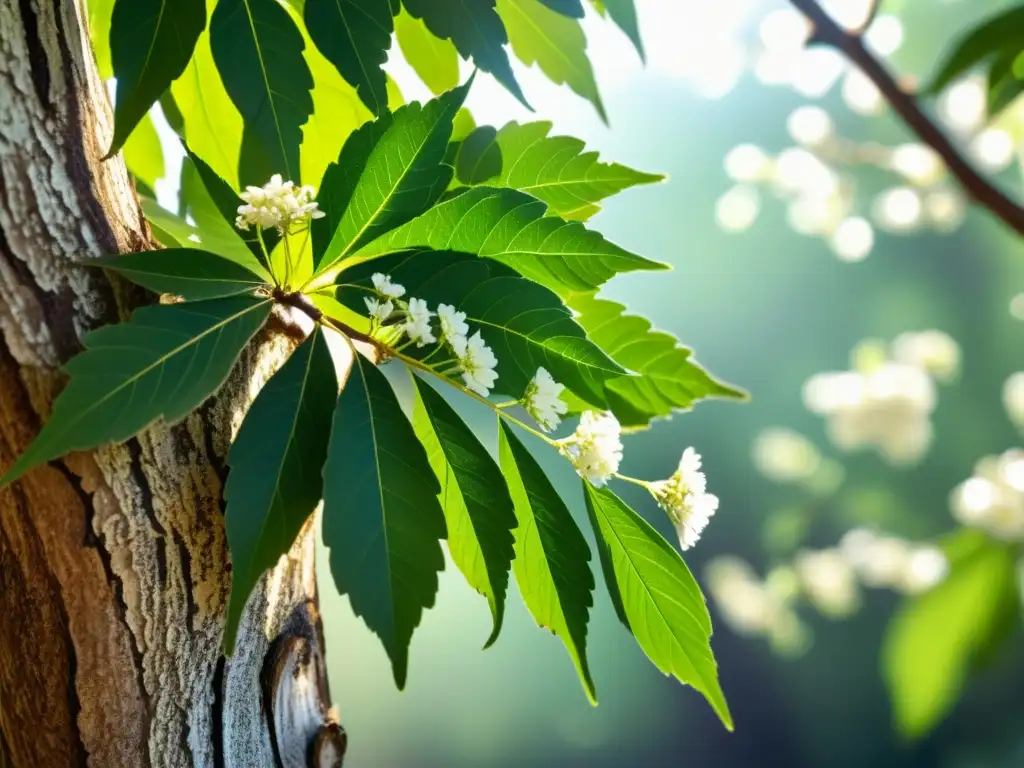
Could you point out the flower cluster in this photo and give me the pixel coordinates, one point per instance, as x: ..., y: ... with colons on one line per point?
x: 889, y: 562
x: 595, y: 448
x: 277, y: 204
x: 543, y: 400
x: 992, y: 500
x: 684, y: 498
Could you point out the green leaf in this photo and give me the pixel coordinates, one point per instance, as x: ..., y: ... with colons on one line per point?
x: 382, y: 521
x: 571, y: 8
x: 557, y: 170
x: 657, y: 597
x: 479, y: 157
x: 355, y: 36
x: 1004, y: 84
x: 100, y: 13
x: 143, y: 153
x: 434, y: 60
x: 552, y: 559
x: 164, y: 362
x: 401, y: 176
x: 191, y: 273
x: 511, y: 227
x: 525, y: 324
x: 667, y: 378
x: 1001, y: 34
x: 474, y: 497
x: 623, y: 13
x: 476, y: 30
x: 933, y: 642
x: 151, y: 42
x: 258, y: 51
x: 553, y: 42
x: 275, y: 480
x: 169, y: 230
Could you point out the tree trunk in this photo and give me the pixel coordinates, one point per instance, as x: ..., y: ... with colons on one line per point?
x: 114, y: 571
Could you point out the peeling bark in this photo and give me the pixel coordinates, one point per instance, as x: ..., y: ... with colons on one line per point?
x: 114, y: 570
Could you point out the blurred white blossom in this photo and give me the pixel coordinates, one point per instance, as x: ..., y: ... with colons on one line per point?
x: 785, y: 456
x: 1013, y: 398
x: 932, y: 351
x: 992, y: 500
x: 829, y: 581
x: 889, y: 562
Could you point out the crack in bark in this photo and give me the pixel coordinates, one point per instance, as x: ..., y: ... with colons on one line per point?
x: 36, y: 55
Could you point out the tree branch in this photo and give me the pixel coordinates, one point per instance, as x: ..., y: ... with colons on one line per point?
x: 978, y: 188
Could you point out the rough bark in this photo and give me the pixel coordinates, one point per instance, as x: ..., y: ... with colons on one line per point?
x: 114, y: 571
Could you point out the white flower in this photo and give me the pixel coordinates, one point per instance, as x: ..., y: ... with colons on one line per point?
x: 595, y: 448
x: 417, y: 324
x: 379, y: 310
x: 383, y: 285
x: 684, y: 497
x: 829, y: 581
x: 276, y: 204
x: 543, y: 400
x: 477, y: 361
x: 993, y: 499
x: 926, y: 568
x: 453, y: 324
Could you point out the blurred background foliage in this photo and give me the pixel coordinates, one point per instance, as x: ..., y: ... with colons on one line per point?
x: 766, y: 308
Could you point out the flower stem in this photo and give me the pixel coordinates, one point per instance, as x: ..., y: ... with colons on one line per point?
x: 507, y: 404
x: 633, y: 480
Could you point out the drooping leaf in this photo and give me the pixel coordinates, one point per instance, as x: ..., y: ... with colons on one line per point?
x: 193, y: 274
x: 474, y: 497
x: 382, y: 521
x: 402, y: 175
x: 658, y: 599
x: 623, y: 13
x: 164, y: 362
x: 143, y: 153
x: 1004, y: 33
x: 1004, y: 85
x: 511, y: 227
x: 275, y: 481
x: 571, y: 8
x: 552, y: 559
x: 355, y: 36
x: 667, y: 378
x: 258, y: 52
x: 479, y: 157
x: 151, y: 42
x: 476, y: 30
x: 434, y: 59
x: 557, y: 170
x: 526, y: 324
x: 933, y: 642
x: 553, y: 42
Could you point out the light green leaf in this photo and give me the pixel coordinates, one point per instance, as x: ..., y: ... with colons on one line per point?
x: 511, y: 227
x: 143, y: 153
x: 434, y: 60
x: 474, y: 497
x: 100, y: 13
x: 526, y: 324
x: 935, y: 639
x: 657, y: 597
x: 193, y: 274
x: 169, y: 230
x: 151, y: 42
x: 355, y: 36
x: 667, y: 378
x: 275, y: 482
x: 164, y: 362
x: 557, y: 170
x: 258, y: 52
x: 382, y: 521
x: 553, y: 42
x: 476, y: 30
x: 552, y: 559
x: 401, y: 176
x: 1003, y: 33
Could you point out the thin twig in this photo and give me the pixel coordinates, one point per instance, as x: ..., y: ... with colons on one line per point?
x: 981, y: 190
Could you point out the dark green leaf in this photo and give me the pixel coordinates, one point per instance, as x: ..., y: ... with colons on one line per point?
x: 355, y: 36
x: 526, y: 324
x: 932, y: 644
x: 169, y: 230
x: 164, y: 362
x: 552, y: 563
x: 275, y: 482
x: 1001, y: 34
x: 401, y: 177
x: 382, y: 520
x: 667, y: 376
x: 435, y: 60
x: 553, y: 42
x: 657, y: 597
x: 191, y: 273
x: 258, y: 51
x: 151, y: 42
x: 623, y: 13
x: 572, y: 8
x: 474, y: 497
x: 479, y: 157
x: 476, y: 31
x: 510, y: 227
x: 557, y: 170
x: 1004, y: 85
